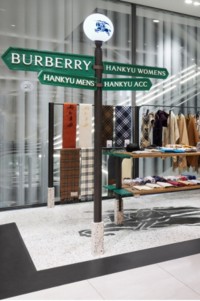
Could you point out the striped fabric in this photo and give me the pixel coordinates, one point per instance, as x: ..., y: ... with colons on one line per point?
x: 123, y: 125
x: 87, y: 174
x: 69, y: 125
x: 69, y: 174
x: 107, y: 124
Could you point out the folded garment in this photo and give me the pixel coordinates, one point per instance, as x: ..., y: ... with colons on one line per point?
x: 176, y: 183
x: 160, y: 179
x: 189, y: 177
x: 152, y: 185
x: 149, y: 179
x: 142, y: 187
x: 165, y: 185
x: 185, y: 182
x: 194, y: 181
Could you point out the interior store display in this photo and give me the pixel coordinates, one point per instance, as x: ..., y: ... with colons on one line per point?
x: 163, y: 128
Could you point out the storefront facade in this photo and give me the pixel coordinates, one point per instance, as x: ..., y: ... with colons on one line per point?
x: 57, y: 26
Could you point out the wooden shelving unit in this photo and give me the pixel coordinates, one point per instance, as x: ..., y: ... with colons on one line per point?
x: 142, y: 154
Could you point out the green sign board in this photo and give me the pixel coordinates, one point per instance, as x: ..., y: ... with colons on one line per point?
x: 35, y: 60
x: 133, y: 84
x: 134, y: 70
x: 64, y: 80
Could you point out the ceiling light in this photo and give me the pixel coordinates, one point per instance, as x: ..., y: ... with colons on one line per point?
x: 156, y: 21
x: 188, y: 1
x: 13, y: 25
x: 196, y: 3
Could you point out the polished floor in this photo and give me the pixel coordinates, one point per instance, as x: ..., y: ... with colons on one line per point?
x: 60, y: 236
x: 171, y: 280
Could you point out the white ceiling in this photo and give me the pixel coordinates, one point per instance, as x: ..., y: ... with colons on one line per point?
x: 173, y: 5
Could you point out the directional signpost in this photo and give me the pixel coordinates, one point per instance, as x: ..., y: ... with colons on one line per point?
x: 134, y: 70
x: 63, y: 80
x: 126, y: 84
x: 37, y: 60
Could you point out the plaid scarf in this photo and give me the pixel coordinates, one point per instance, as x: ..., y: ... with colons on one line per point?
x: 123, y: 125
x: 69, y: 174
x: 87, y: 174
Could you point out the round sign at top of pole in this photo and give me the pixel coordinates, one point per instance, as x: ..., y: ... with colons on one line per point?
x: 98, y: 27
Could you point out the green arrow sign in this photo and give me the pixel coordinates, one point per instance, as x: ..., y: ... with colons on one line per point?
x: 63, y: 80
x: 35, y: 60
x: 134, y: 70
x: 134, y: 84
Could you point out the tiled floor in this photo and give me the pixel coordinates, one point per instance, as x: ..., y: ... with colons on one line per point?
x: 61, y: 236
x: 171, y: 280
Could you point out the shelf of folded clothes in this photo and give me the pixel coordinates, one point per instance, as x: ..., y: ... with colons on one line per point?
x: 156, y: 184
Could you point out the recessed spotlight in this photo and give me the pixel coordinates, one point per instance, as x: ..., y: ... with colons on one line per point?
x: 13, y: 25
x: 156, y: 21
x: 188, y: 1
x: 196, y: 3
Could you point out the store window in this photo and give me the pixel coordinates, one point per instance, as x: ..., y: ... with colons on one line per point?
x: 169, y: 40
x: 52, y: 26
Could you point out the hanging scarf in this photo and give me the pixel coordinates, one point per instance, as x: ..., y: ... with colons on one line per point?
x: 107, y: 124
x: 85, y: 125
x: 87, y: 174
x: 123, y: 125
x: 69, y: 125
x: 69, y: 174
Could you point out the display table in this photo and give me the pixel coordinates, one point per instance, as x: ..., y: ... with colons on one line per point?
x: 120, y: 191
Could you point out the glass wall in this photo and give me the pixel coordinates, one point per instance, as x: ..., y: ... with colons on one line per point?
x: 172, y: 41
x: 53, y: 26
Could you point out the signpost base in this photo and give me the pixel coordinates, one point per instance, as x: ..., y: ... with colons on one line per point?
x: 97, y: 238
x: 119, y: 214
x: 51, y: 200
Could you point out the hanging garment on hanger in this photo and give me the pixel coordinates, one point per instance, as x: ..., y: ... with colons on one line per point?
x: 69, y: 125
x: 181, y: 162
x: 85, y: 125
x: 161, y: 118
x: 87, y: 174
x: 183, y: 134
x: 123, y: 125
x: 146, y: 129
x: 193, y: 136
x: 69, y: 174
x: 173, y: 128
x: 107, y: 125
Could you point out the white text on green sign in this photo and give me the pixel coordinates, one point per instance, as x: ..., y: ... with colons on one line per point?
x: 134, y: 70
x: 35, y: 60
x: 63, y: 80
x: 134, y: 84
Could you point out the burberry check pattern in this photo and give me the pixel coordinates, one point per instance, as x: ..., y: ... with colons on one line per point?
x: 69, y: 174
x: 107, y: 124
x: 87, y: 174
x: 123, y: 124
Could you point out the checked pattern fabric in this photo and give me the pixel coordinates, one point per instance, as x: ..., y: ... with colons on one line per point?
x: 123, y: 124
x: 107, y: 124
x: 69, y: 174
x: 87, y: 174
